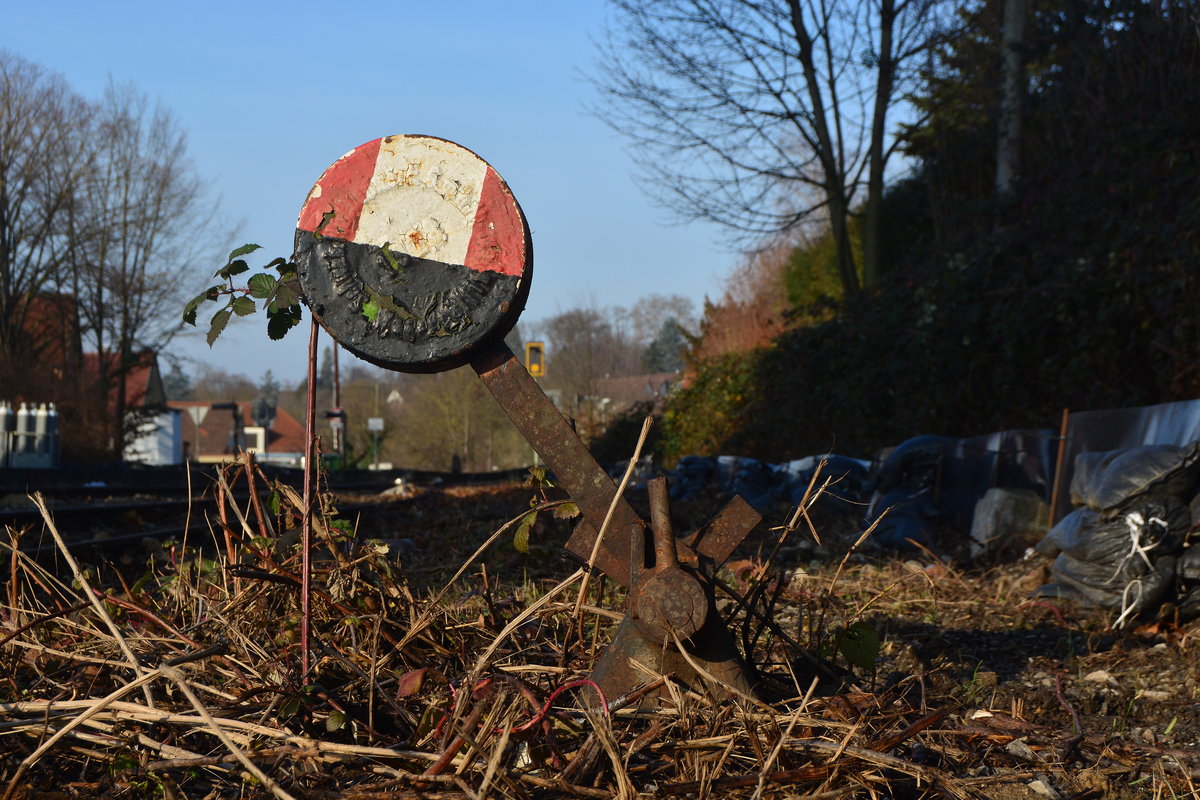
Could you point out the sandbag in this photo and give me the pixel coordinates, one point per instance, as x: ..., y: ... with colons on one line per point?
x: 691, y: 476
x: 1069, y: 529
x: 847, y: 478
x: 1110, y: 481
x: 902, y: 532
x: 1129, y: 599
x: 1126, y: 563
x: 1159, y: 524
x: 756, y: 482
x: 1189, y: 564
x: 914, y: 464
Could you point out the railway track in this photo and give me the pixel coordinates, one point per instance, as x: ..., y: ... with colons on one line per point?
x: 111, y: 521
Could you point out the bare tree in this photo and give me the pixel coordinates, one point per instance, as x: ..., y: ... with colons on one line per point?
x: 451, y: 419
x: 216, y: 385
x: 1008, y: 139
x: 136, y: 231
x: 762, y: 116
x: 42, y: 126
x: 647, y: 315
x: 587, y: 344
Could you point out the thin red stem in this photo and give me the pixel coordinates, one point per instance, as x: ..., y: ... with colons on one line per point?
x: 310, y: 457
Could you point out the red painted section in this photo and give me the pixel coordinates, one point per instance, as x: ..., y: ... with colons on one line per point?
x: 343, y: 188
x: 498, y: 237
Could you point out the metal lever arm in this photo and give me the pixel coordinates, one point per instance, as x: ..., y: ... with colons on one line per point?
x: 565, y: 453
x: 588, y: 484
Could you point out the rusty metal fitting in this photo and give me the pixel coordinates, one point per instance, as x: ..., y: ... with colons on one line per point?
x: 666, y: 600
x: 669, y: 604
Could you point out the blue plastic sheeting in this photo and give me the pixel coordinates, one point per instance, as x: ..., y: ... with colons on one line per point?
x: 933, y: 481
x: 761, y: 484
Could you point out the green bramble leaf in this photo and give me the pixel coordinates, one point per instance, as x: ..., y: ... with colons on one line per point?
x: 243, y: 305
x: 521, y: 537
x: 189, y: 310
x: 290, y: 707
x: 244, y: 250
x: 859, y: 644
x: 281, y: 321
x: 287, y: 292
x: 538, y: 478
x: 335, y: 721
x: 218, y: 323
x: 231, y: 269
x: 280, y: 296
x: 567, y: 510
x: 261, y: 285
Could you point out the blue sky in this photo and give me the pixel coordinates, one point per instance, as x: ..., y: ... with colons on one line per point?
x: 272, y: 93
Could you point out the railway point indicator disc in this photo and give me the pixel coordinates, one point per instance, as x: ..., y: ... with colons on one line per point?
x: 413, y: 253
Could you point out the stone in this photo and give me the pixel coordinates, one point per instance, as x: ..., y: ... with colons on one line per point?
x: 1007, y: 516
x: 1101, y: 676
x: 1019, y: 749
x: 1044, y: 789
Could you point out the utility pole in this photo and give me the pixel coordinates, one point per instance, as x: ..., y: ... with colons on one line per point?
x: 338, y: 433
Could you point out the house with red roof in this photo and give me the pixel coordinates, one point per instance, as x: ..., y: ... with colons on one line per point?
x: 140, y: 377
x: 214, y: 432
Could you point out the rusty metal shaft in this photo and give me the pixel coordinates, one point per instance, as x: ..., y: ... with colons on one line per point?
x: 582, y: 477
x: 564, y: 452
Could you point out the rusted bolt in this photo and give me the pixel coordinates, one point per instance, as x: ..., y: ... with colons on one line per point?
x: 667, y: 600
x: 670, y: 602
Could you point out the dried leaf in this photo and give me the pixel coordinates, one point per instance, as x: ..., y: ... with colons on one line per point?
x: 410, y: 682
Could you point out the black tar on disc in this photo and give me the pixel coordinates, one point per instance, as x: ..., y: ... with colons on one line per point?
x: 401, y: 312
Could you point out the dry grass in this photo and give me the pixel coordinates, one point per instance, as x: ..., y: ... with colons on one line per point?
x: 183, y: 682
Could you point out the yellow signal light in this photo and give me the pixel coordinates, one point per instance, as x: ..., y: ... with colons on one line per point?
x: 535, y: 358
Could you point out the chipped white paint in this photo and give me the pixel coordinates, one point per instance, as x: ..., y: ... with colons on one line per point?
x: 422, y: 199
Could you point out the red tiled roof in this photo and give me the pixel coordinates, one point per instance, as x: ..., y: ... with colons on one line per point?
x: 143, y: 384
x: 629, y: 389
x: 286, y: 435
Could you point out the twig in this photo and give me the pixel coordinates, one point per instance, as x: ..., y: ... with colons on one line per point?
x: 235, y: 727
x: 213, y: 761
x: 94, y: 708
x: 1062, y: 699
x: 770, y: 762
x: 936, y: 777
x: 422, y: 621
x: 517, y: 621
x: 92, y: 596
x: 52, y: 615
x: 264, y: 523
x: 176, y: 676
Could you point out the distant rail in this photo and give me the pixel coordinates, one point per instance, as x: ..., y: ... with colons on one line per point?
x: 132, y: 480
x: 134, y: 506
